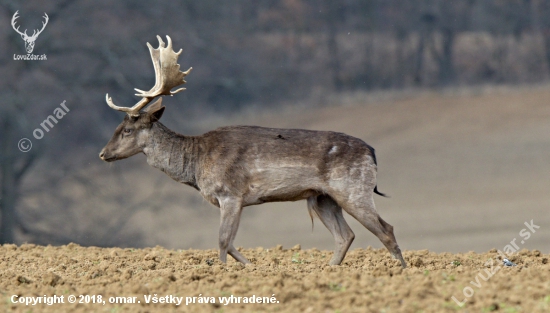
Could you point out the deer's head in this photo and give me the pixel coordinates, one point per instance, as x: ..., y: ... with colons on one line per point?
x: 29, y: 40
x: 133, y: 133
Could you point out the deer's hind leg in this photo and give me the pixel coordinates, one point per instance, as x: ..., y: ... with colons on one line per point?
x: 363, y: 210
x: 330, y: 214
x: 230, y: 210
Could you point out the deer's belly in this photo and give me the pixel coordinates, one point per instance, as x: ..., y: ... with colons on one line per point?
x: 282, y: 184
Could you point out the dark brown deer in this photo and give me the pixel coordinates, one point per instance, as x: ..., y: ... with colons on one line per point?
x: 237, y: 166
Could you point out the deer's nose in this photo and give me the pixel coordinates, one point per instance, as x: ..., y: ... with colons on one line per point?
x: 102, y: 154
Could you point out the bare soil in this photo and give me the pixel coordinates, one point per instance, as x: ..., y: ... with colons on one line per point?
x: 369, y: 280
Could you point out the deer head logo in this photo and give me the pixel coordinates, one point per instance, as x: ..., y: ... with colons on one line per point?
x: 29, y: 40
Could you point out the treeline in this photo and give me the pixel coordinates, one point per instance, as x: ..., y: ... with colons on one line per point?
x: 263, y: 51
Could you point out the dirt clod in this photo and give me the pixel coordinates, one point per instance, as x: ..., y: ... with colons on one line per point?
x: 417, y: 262
x: 51, y: 279
x: 22, y: 280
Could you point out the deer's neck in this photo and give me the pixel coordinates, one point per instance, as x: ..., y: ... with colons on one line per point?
x: 172, y: 153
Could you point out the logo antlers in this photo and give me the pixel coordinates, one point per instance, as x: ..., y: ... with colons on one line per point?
x: 29, y: 40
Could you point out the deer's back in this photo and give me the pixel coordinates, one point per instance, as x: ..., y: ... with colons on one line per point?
x: 284, y: 146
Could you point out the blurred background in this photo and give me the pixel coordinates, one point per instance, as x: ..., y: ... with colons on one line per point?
x: 452, y: 94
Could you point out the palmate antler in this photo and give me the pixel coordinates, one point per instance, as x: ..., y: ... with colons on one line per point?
x: 167, y: 76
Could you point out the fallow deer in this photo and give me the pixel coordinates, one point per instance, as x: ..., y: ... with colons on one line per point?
x: 237, y: 166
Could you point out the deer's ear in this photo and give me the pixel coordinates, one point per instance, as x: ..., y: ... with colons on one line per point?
x: 158, y: 113
x: 156, y: 109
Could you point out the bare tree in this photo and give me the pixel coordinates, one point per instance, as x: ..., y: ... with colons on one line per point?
x: 540, y: 15
x: 441, y: 21
x: 14, y: 164
x: 334, y: 13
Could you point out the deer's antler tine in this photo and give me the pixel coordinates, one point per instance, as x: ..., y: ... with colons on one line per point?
x: 155, y: 58
x: 161, y: 43
x: 169, y: 46
x: 133, y: 111
x: 176, y: 91
x: 114, y: 106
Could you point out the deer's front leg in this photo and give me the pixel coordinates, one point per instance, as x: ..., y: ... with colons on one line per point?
x: 229, y: 224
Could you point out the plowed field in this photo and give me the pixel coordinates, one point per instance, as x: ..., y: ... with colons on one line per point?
x: 289, y: 280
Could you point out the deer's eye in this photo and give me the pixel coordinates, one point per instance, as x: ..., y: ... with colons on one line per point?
x: 127, y: 131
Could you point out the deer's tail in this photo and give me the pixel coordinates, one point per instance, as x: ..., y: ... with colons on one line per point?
x: 373, y: 154
x: 378, y: 192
